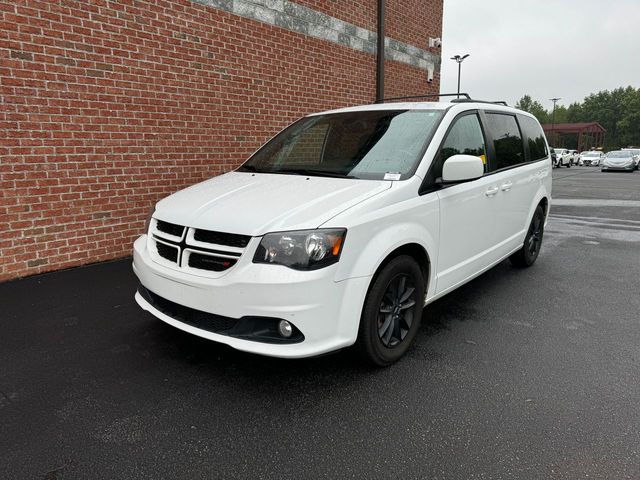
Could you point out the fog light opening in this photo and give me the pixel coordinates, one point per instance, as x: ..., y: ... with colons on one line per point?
x: 285, y: 329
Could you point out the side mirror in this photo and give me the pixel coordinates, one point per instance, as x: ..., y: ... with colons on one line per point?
x: 462, y: 168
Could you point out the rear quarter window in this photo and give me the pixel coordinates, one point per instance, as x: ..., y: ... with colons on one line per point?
x: 534, y: 137
x: 507, y: 140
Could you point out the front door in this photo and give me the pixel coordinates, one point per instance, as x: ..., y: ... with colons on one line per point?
x: 468, y: 234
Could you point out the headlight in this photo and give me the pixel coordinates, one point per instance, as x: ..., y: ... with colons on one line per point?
x: 301, y: 250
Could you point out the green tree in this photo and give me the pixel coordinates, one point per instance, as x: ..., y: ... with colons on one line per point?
x: 534, y: 107
x: 618, y: 111
x: 574, y: 113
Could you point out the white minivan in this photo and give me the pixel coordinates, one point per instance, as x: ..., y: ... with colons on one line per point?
x: 341, y: 228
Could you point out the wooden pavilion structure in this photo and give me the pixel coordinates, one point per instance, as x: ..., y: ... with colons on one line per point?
x: 590, y: 135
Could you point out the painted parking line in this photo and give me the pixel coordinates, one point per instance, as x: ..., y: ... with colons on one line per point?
x: 593, y: 202
x: 591, y: 229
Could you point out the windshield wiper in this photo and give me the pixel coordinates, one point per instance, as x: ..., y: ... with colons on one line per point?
x: 312, y: 172
x: 249, y: 168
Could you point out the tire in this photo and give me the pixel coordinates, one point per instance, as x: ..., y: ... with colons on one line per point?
x: 527, y: 255
x: 382, y: 346
x: 569, y: 165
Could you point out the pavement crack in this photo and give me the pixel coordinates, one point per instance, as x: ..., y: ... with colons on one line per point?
x: 4, y: 395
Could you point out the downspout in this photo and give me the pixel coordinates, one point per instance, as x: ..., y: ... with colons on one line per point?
x: 380, y: 54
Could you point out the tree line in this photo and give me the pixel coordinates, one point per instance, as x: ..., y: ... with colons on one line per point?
x: 618, y: 111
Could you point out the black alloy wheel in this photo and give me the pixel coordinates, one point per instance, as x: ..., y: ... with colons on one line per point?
x: 392, y: 311
x: 527, y: 255
x: 534, y: 235
x: 395, y: 315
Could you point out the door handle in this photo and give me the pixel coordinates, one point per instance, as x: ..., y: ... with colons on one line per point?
x: 491, y: 191
x: 506, y: 186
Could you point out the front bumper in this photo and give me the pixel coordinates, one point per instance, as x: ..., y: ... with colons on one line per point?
x: 326, y: 312
x: 624, y: 168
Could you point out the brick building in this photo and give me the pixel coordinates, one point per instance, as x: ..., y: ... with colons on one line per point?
x: 108, y: 105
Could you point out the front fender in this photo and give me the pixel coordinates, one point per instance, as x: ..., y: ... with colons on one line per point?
x: 380, y: 232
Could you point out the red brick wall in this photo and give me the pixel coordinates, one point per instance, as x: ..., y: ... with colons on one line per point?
x: 362, y: 13
x: 108, y: 106
x: 409, y: 21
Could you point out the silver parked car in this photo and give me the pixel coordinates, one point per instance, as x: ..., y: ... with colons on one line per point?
x: 619, y: 160
x: 636, y: 155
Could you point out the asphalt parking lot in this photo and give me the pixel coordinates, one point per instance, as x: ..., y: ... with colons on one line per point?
x: 518, y: 374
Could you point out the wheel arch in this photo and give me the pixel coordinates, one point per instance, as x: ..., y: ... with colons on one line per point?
x: 413, y: 250
x: 543, y: 199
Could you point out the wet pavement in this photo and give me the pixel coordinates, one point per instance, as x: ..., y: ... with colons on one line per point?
x: 518, y: 374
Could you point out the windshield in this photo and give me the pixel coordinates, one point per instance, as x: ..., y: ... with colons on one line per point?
x: 591, y: 154
x: 619, y: 154
x: 382, y: 144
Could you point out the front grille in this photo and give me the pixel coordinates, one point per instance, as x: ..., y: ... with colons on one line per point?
x: 167, y: 251
x: 209, y: 262
x: 191, y: 316
x: 191, y: 248
x: 220, y: 238
x: 170, y: 228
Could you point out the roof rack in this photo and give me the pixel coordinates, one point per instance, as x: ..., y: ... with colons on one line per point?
x: 471, y: 100
x: 466, y: 99
x: 430, y: 95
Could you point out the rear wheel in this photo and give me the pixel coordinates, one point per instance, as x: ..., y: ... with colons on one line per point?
x: 392, y: 312
x: 527, y: 255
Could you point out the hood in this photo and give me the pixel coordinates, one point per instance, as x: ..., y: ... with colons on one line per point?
x: 619, y: 159
x: 255, y: 204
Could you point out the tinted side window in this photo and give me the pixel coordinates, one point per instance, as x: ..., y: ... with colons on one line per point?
x: 534, y: 137
x: 464, y: 137
x: 507, y: 140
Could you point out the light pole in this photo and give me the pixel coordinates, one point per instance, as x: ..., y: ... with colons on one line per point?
x: 459, y: 59
x: 553, y: 119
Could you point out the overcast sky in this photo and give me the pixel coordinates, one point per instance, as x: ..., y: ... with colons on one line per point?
x: 546, y: 48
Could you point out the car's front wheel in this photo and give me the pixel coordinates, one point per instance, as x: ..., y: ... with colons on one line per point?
x: 527, y: 255
x: 392, y: 312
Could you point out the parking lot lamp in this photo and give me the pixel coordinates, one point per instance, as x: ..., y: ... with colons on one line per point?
x: 553, y: 119
x: 459, y: 59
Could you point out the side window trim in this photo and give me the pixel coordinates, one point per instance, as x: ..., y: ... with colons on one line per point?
x: 525, y: 139
x: 488, y: 142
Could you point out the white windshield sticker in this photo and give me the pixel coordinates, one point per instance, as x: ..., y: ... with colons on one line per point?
x: 392, y: 176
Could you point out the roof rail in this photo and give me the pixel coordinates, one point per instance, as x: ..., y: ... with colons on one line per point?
x: 429, y: 95
x: 471, y: 100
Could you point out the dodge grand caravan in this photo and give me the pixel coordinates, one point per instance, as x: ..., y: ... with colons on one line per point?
x: 340, y: 229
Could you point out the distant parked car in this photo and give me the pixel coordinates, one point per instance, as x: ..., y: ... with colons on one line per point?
x: 593, y: 158
x: 563, y: 157
x: 575, y: 156
x: 619, y: 160
x: 636, y: 155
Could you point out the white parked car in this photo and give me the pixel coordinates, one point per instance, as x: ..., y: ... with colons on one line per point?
x: 341, y: 228
x: 592, y: 158
x: 563, y: 157
x: 575, y: 156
